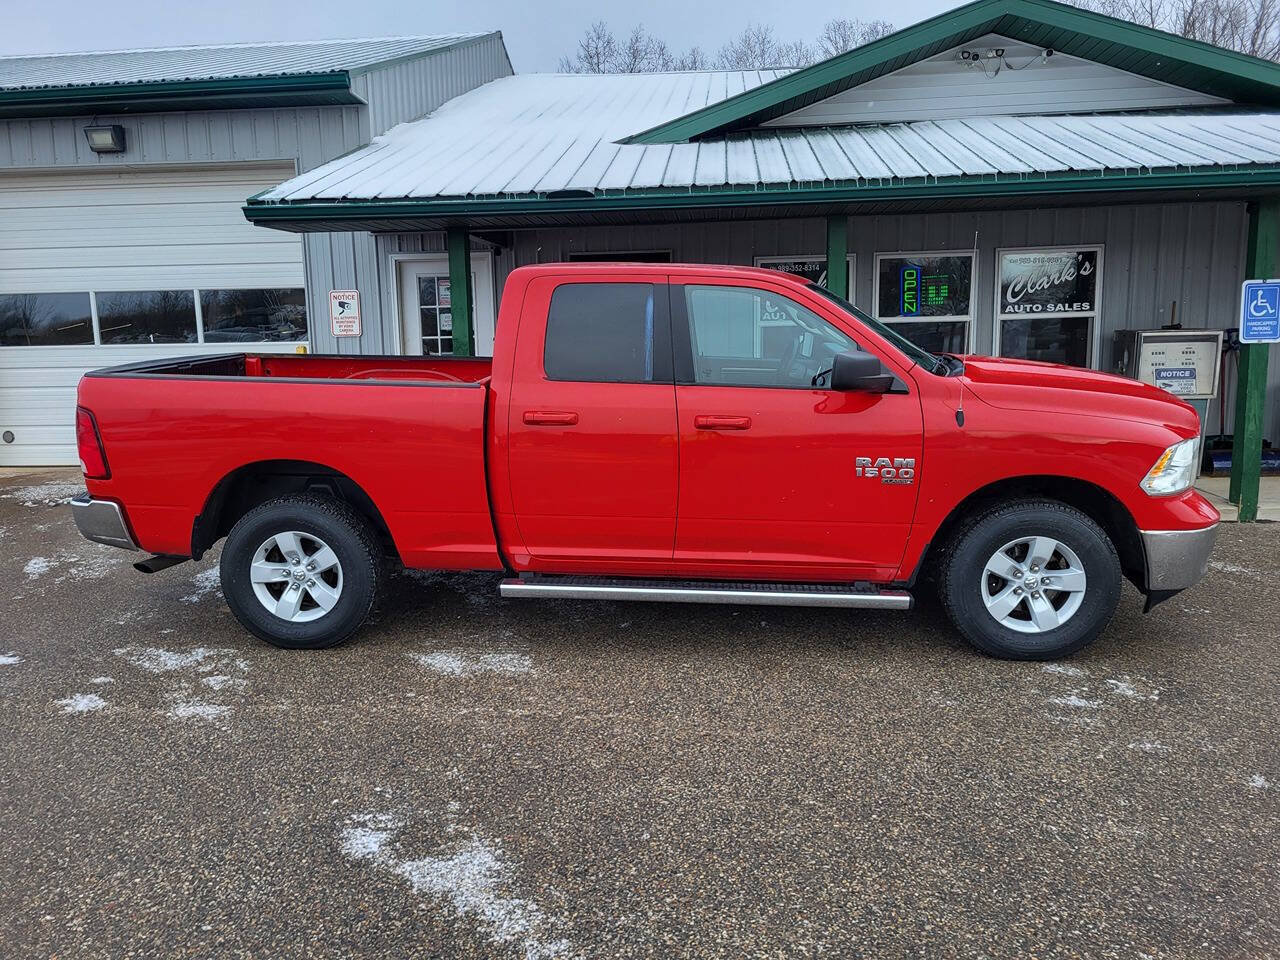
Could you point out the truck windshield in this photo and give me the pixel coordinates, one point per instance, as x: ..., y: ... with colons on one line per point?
x: 923, y: 357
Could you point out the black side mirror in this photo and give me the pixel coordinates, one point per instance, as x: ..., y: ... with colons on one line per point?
x: 859, y: 371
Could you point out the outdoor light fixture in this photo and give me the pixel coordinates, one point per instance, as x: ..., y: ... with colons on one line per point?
x: 108, y: 139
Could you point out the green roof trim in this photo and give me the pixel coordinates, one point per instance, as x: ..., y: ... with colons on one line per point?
x: 149, y: 97
x: 1264, y: 178
x: 1081, y: 33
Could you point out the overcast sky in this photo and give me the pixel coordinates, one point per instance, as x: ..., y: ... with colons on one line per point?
x: 537, y: 32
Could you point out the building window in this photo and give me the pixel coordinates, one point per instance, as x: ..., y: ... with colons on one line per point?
x: 435, y: 308
x: 148, y: 316
x: 45, y: 319
x: 1047, y: 303
x: 927, y: 297
x: 604, y: 332
x: 253, y: 316
x: 813, y: 269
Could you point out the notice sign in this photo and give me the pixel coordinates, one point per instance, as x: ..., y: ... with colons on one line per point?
x: 1260, y: 312
x: 344, y: 312
x: 1179, y: 380
x: 1058, y: 282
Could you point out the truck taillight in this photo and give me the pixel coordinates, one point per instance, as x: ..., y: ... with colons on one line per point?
x: 93, y: 459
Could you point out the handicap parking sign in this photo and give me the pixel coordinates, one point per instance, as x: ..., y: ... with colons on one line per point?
x: 1260, y: 312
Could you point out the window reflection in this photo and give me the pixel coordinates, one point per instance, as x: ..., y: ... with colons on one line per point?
x: 45, y: 319
x: 138, y: 316
x: 246, y: 316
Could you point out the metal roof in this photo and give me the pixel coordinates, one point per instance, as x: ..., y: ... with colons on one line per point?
x: 220, y: 62
x: 1046, y: 23
x: 545, y: 136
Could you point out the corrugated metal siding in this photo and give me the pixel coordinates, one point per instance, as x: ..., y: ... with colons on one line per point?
x: 227, y: 61
x: 1154, y: 255
x: 307, y: 135
x: 944, y: 87
x: 410, y: 89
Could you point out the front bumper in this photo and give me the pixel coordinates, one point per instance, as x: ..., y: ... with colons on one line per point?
x: 1176, y: 559
x: 102, y: 522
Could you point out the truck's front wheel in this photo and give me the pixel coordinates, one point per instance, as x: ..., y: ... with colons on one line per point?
x: 1030, y: 580
x: 301, y: 572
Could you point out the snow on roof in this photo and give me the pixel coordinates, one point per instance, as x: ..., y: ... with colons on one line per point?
x: 222, y: 62
x: 537, y: 134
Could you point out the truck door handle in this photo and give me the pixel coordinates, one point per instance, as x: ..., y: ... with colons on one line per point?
x: 722, y: 423
x: 550, y: 418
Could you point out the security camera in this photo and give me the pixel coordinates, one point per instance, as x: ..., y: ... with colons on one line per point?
x: 1000, y: 52
x: 1048, y: 52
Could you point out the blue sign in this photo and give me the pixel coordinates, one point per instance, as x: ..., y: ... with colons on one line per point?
x: 1260, y: 312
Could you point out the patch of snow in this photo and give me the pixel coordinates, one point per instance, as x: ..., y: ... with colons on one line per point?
x: 194, y: 710
x: 72, y: 566
x: 44, y: 494
x: 1259, y: 782
x: 9, y: 659
x: 464, y: 663
x: 206, y: 582
x: 37, y: 566
x: 81, y: 703
x: 1149, y: 746
x: 1223, y: 566
x: 158, y: 660
x: 1124, y: 687
x: 102, y: 680
x: 1076, y: 702
x: 1065, y: 669
x: 473, y: 877
x: 223, y: 682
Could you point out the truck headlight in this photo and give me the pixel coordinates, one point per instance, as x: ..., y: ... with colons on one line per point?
x: 1175, y: 470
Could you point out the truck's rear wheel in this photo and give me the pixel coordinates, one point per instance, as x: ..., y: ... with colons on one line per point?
x: 1030, y: 580
x: 301, y: 572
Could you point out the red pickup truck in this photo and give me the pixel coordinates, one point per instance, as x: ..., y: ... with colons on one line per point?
x: 657, y: 432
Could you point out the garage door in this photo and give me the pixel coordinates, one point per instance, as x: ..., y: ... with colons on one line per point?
x: 118, y: 266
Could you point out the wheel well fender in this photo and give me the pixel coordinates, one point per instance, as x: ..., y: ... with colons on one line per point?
x: 255, y: 483
x: 1090, y: 499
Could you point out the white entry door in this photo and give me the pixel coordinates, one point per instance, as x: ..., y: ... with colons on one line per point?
x: 426, y: 314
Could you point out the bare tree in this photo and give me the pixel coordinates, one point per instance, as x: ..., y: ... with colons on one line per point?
x: 842, y: 35
x: 597, y: 51
x: 758, y: 48
x: 1247, y: 26
x: 692, y: 59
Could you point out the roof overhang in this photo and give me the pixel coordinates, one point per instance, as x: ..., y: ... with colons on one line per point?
x: 1140, y: 50
x: 1071, y: 188
x: 310, y: 89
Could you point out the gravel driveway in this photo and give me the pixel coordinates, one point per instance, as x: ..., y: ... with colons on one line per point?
x: 476, y: 777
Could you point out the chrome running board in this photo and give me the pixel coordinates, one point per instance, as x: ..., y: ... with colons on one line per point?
x: 676, y: 591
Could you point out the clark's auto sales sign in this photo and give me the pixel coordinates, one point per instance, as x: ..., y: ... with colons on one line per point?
x: 1059, y: 282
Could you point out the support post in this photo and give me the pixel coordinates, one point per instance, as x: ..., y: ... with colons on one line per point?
x: 1263, y: 260
x: 838, y: 256
x: 458, y: 243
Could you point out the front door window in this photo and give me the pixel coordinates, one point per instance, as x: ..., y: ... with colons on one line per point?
x: 436, y: 315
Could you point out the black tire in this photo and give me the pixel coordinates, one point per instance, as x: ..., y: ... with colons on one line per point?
x: 334, y: 523
x: 962, y: 576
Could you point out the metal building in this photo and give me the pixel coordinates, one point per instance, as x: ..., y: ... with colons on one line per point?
x: 1014, y: 176
x: 122, y: 176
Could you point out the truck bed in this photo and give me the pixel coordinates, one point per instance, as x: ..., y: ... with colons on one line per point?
x: 311, y: 367
x: 409, y: 431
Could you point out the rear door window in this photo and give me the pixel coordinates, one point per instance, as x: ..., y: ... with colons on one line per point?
x: 608, y: 333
